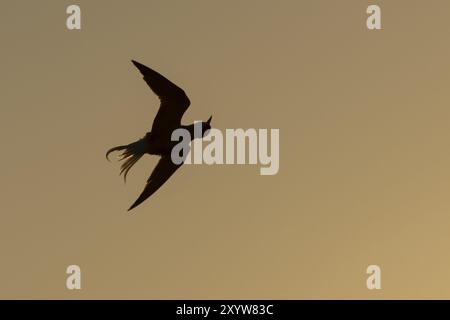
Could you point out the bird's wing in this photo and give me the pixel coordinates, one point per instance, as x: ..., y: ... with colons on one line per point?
x: 174, y: 101
x: 162, y: 172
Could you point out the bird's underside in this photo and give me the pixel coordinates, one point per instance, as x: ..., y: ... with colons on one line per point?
x: 173, y: 104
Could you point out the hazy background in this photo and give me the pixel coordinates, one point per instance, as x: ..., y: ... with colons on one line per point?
x: 364, y: 150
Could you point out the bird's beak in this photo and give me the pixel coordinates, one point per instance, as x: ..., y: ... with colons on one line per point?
x: 209, y: 120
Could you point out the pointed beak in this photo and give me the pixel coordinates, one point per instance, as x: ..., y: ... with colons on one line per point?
x: 209, y: 120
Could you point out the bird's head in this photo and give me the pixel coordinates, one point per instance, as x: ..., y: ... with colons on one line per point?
x: 206, y: 126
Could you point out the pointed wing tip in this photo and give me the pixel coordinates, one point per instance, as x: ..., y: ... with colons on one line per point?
x: 134, y: 205
x: 138, y: 65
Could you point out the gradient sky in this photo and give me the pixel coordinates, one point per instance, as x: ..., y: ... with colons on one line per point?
x: 364, y: 150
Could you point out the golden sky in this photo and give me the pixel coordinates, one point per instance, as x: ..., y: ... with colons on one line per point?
x: 364, y: 150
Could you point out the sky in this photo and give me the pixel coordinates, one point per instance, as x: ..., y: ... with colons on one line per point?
x: 363, y: 173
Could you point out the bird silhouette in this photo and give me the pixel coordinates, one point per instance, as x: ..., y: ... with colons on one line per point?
x: 173, y: 104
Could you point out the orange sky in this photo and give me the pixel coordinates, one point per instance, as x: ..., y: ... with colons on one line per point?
x: 364, y: 170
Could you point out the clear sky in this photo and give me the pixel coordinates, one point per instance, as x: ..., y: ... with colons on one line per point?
x: 364, y: 150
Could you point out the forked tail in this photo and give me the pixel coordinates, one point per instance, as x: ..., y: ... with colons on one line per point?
x: 131, y: 154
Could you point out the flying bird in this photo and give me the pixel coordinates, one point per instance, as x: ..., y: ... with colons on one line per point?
x: 173, y: 104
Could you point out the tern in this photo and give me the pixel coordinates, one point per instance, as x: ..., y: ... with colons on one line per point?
x: 173, y: 104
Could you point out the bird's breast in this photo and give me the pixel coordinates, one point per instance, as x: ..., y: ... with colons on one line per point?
x: 159, y: 145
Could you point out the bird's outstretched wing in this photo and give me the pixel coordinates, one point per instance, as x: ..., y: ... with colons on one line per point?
x: 162, y: 172
x: 174, y: 101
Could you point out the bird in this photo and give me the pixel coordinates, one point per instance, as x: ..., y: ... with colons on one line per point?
x: 173, y: 104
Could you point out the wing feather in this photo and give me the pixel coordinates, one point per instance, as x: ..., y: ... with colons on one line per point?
x: 174, y: 101
x: 162, y: 172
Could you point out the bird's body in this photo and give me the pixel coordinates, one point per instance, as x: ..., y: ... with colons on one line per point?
x: 174, y: 102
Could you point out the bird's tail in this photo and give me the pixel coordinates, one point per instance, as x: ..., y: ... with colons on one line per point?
x: 131, y: 154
